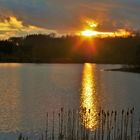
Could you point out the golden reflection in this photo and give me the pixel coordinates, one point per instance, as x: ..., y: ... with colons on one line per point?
x: 88, y: 107
x: 9, y: 65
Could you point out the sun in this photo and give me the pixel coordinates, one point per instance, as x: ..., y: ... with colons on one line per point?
x: 88, y: 33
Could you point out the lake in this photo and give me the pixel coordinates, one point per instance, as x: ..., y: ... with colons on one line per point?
x: 29, y: 91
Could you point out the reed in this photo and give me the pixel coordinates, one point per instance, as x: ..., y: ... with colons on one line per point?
x: 73, y: 125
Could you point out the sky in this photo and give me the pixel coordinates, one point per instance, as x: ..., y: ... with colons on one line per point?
x: 21, y: 17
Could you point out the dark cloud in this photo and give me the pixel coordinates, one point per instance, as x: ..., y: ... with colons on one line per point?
x: 65, y: 15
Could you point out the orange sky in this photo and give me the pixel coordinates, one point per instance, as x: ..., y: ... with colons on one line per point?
x: 14, y: 27
x: 19, y: 18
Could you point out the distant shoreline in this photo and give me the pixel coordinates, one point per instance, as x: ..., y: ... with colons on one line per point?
x: 135, y: 66
x: 128, y: 69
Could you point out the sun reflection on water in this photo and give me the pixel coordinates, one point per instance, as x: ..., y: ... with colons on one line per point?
x: 89, y: 103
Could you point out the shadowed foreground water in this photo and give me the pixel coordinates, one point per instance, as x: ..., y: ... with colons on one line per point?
x: 28, y: 91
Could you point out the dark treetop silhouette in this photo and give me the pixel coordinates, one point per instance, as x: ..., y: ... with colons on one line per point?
x: 70, y: 49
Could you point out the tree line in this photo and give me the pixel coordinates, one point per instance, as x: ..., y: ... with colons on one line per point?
x: 40, y: 48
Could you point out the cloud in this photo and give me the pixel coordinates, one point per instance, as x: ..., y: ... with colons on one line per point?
x: 113, y: 15
x: 14, y: 27
x: 67, y: 15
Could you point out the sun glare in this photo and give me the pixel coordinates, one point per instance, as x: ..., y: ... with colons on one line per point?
x: 88, y: 33
x: 90, y: 30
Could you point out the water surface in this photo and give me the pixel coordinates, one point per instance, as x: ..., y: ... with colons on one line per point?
x: 28, y: 91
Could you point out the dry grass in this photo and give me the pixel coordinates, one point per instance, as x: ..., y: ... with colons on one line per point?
x: 68, y: 125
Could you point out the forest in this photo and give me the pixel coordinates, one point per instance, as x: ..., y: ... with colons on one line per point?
x: 39, y: 48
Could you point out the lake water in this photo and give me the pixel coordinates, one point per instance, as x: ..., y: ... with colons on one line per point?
x: 28, y: 91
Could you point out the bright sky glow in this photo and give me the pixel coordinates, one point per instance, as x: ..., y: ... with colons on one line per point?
x: 88, y: 33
